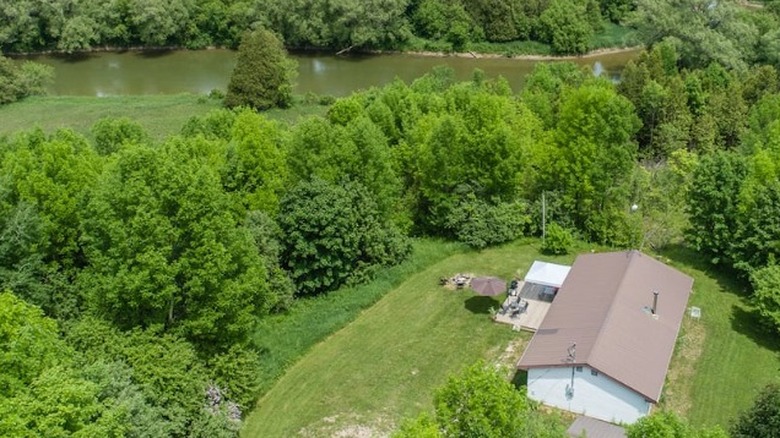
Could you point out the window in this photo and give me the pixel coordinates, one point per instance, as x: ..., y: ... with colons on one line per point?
x: 579, y: 369
x: 594, y: 373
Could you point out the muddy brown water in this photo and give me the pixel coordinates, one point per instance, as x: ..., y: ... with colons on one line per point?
x: 180, y: 71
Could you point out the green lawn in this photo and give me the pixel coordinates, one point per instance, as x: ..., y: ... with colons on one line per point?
x: 385, y: 365
x: 283, y: 339
x: 723, y: 359
x: 161, y: 115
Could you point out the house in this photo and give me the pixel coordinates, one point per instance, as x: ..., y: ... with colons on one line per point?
x: 604, y: 346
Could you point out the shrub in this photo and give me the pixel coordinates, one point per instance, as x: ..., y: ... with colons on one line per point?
x: 558, y: 240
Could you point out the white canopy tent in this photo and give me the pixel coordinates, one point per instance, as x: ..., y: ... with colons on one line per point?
x: 547, y: 274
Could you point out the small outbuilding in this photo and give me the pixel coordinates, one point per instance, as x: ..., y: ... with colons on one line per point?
x: 604, y: 347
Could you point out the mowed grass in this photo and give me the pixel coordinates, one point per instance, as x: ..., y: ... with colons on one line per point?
x: 387, y: 363
x: 160, y: 115
x: 726, y: 357
x: 283, y: 339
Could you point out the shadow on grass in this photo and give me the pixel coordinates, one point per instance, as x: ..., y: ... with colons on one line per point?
x: 749, y: 324
x: 727, y: 278
x: 520, y: 378
x: 480, y: 304
x: 743, y: 320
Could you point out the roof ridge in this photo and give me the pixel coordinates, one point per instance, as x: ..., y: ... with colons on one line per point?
x: 606, y: 319
x: 632, y: 254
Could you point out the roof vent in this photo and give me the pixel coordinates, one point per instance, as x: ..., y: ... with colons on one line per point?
x: 654, y: 310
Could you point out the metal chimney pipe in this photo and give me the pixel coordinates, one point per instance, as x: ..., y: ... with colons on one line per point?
x: 655, y: 302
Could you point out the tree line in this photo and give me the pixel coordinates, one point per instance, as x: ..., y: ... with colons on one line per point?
x: 704, y: 31
x: 81, y: 25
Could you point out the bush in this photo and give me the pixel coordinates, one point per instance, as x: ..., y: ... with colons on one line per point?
x: 558, y: 240
x: 111, y: 133
x: 20, y: 81
x: 479, y: 224
x: 766, y: 295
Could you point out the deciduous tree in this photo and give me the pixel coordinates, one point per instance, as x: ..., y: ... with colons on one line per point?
x: 566, y: 27
x: 333, y: 234
x: 163, y: 248
x: 762, y: 420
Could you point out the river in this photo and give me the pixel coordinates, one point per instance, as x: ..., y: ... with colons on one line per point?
x: 170, y: 72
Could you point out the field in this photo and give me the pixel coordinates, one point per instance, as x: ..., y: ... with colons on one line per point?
x: 723, y: 359
x: 385, y: 365
x: 161, y: 115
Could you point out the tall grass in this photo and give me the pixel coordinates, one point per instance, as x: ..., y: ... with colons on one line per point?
x: 160, y: 115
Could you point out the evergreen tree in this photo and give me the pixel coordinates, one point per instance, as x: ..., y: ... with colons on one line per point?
x: 264, y: 75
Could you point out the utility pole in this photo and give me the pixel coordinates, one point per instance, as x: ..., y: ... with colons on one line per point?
x: 544, y: 217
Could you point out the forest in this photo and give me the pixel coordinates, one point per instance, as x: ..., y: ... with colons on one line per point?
x: 82, y: 25
x: 135, y: 271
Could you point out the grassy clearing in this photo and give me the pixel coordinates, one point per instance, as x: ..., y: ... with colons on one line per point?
x: 160, y: 115
x: 725, y: 358
x: 385, y: 365
x: 283, y: 339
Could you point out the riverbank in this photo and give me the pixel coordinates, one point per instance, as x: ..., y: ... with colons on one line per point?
x: 612, y: 39
x: 473, y: 55
x: 311, y: 50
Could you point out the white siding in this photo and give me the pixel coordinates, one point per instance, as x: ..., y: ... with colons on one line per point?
x: 595, y: 396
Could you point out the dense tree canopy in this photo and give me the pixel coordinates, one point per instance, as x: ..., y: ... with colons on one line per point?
x: 157, y: 259
x: 340, y: 25
x: 335, y: 235
x: 704, y: 31
x: 163, y: 248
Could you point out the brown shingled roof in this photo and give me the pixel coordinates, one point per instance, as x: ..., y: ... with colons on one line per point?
x: 603, y: 307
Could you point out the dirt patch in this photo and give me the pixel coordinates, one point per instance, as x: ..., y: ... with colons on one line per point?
x: 457, y: 281
x: 348, y: 426
x: 507, y: 359
x: 591, y: 54
x: 679, y: 379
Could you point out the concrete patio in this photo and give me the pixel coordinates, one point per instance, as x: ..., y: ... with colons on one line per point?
x: 526, y: 317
